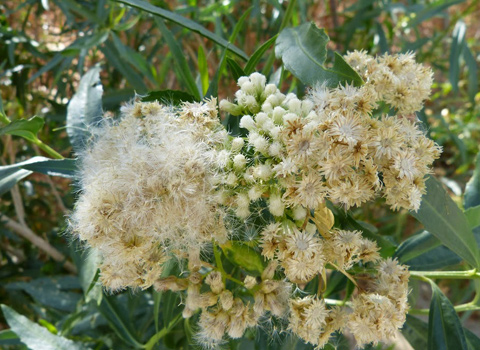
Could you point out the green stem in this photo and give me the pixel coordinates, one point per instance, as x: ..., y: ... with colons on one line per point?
x: 469, y: 274
x: 153, y: 340
x: 47, y: 149
x: 463, y: 307
x: 285, y: 21
x: 218, y: 261
x: 337, y: 302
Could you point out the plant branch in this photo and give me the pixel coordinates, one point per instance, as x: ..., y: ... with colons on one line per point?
x: 469, y: 274
x: 153, y: 340
x: 38, y: 241
x: 459, y: 308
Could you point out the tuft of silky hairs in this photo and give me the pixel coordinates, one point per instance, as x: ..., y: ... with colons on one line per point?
x: 147, y: 189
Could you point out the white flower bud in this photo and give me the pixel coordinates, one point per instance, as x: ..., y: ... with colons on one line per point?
x: 262, y: 172
x: 251, y: 103
x: 260, y: 143
x: 268, y: 125
x: 237, y: 144
x: 275, y: 149
x: 299, y: 213
x: 239, y: 162
x: 270, y: 89
x: 232, y: 180
x: 276, y: 205
x: 255, y: 193
x: 278, y: 113
x: 223, y: 158
x: 249, y: 88
x: 230, y: 107
x: 248, y: 123
x: 307, y: 106
x: 258, y: 80
x: 261, y: 118
x: 248, y: 176
x: 250, y: 282
x: 273, y: 100
x: 267, y: 107
x: 242, y: 80
x: 275, y: 132
x: 295, y: 106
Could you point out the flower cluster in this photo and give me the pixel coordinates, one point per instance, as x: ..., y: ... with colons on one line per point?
x: 167, y: 181
x: 299, y: 152
x: 147, y: 187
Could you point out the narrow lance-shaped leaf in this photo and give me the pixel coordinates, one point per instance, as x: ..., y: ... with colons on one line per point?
x: 424, y: 251
x: 456, y: 50
x: 236, y: 70
x: 35, y: 336
x: 445, y: 331
x: 184, y: 22
x: 54, y: 167
x: 257, y: 55
x: 183, y: 68
x: 472, y: 190
x: 11, y: 174
x: 416, y: 332
x: 446, y: 221
x: 85, y: 108
x: 303, y: 50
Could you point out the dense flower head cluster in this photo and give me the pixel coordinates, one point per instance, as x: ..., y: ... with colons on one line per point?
x: 167, y: 181
x: 147, y: 184
x: 326, y: 146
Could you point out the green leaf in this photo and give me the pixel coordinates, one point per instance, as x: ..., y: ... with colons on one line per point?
x: 432, y: 10
x: 54, y: 62
x: 213, y: 88
x: 2, y: 111
x: 423, y: 251
x: 237, y: 71
x: 118, y: 322
x: 89, y: 274
x: 473, y: 216
x: 239, y: 25
x: 458, y: 41
x: 11, y: 174
x: 28, y: 129
x: 303, y: 50
x: 47, y: 292
x: 473, y: 341
x: 8, y: 337
x: 244, y: 256
x: 444, y: 328
x: 258, y: 54
x: 114, y: 58
x: 184, y: 22
x: 85, y: 108
x: 445, y: 220
x: 472, y: 190
x: 203, y: 69
x: 169, y: 97
x: 336, y: 283
x: 471, y: 64
x: 35, y: 336
x: 54, y: 167
x: 180, y: 60
x: 416, y: 332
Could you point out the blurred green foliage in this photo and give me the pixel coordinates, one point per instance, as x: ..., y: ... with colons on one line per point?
x: 47, y: 45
